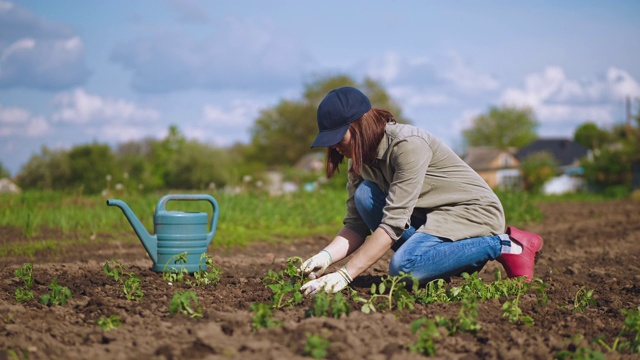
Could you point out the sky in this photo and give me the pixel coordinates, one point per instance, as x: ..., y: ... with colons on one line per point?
x: 80, y: 72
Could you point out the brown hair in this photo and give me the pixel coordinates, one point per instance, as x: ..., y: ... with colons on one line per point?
x: 366, y: 134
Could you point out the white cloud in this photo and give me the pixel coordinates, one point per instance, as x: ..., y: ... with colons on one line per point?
x: 555, y: 98
x: 189, y: 11
x: 36, y: 53
x: 622, y: 84
x: 20, y: 45
x: 80, y: 107
x: 465, y: 78
x: 224, y: 125
x: 417, y: 97
x: 15, y: 121
x: 239, y: 54
x: 441, y: 73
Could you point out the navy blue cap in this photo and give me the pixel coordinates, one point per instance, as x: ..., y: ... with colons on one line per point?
x: 336, y: 112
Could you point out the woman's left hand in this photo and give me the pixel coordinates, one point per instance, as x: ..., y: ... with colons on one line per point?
x: 331, y: 283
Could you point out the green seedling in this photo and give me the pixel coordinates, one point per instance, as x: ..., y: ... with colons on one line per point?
x: 173, y: 274
x: 59, y: 295
x: 25, y: 272
x: 333, y: 305
x: 434, y: 292
x: 428, y: 331
x: 392, y: 291
x: 316, y: 347
x: 186, y: 302
x: 578, y: 350
x: 204, y: 277
x: 512, y: 311
x: 584, y: 299
x: 285, y: 284
x: 108, y: 323
x: 24, y: 293
x: 466, y: 320
x: 14, y: 355
x: 628, y: 339
x: 131, y: 286
x: 262, y: 317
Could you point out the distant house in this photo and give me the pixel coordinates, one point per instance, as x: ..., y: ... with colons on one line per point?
x: 567, y: 153
x: 499, y: 168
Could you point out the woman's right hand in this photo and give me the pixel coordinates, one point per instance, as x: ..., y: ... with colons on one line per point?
x: 317, y: 264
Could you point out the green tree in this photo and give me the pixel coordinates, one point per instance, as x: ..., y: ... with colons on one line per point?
x: 614, y: 153
x: 503, y: 128
x: 608, y: 167
x: 136, y: 160
x: 591, y: 136
x: 283, y: 134
x: 537, y: 168
x: 198, y: 166
x: 4, y: 172
x: 49, y: 170
x: 89, y: 166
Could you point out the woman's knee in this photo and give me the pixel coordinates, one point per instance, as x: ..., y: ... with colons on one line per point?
x: 364, y: 194
x: 401, y: 264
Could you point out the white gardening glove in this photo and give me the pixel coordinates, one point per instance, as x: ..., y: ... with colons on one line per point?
x: 316, y: 265
x: 331, y: 283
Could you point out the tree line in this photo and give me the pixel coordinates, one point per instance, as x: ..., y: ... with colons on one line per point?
x: 281, y: 136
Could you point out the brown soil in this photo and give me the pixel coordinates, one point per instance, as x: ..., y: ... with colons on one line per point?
x: 591, y: 245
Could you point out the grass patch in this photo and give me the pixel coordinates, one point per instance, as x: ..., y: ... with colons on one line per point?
x: 50, y: 220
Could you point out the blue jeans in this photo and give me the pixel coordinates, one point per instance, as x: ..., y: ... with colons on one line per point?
x: 426, y: 257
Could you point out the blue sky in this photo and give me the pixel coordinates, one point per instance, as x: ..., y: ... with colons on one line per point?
x: 75, y: 72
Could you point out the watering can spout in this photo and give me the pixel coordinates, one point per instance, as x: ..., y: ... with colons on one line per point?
x: 149, y: 241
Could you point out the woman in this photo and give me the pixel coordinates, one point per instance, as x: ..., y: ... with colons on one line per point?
x: 408, y: 192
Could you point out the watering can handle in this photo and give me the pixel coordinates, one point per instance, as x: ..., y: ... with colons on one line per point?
x: 162, y: 203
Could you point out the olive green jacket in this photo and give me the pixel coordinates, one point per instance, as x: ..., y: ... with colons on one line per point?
x: 424, y: 177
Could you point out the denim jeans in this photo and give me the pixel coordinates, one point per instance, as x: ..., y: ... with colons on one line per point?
x: 426, y: 257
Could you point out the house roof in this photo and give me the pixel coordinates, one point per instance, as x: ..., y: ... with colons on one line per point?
x: 480, y: 158
x: 565, y: 151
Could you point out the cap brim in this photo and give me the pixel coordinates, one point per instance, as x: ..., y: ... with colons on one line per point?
x: 330, y: 138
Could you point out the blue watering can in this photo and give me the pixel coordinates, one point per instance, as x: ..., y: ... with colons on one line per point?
x: 176, y: 232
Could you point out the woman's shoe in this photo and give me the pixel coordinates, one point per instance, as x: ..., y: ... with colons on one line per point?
x: 521, y: 264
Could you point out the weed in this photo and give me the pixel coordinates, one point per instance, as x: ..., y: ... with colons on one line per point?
x: 428, y: 331
x: 262, y: 317
x: 131, y: 286
x: 24, y: 293
x: 316, y: 346
x: 583, y: 300
x: 59, y: 295
x: 323, y: 304
x: 108, y: 323
x: 285, y: 284
x: 185, y: 302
